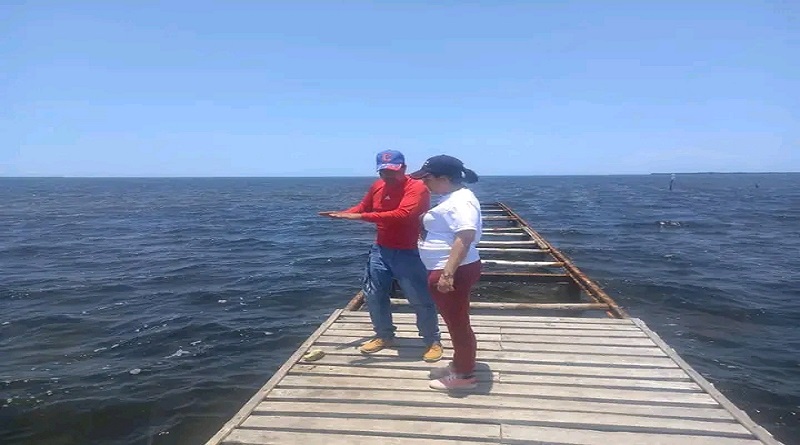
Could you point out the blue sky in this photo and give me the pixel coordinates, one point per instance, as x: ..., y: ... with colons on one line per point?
x: 317, y: 88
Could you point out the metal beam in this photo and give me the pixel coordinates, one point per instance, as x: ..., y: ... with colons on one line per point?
x: 578, y: 276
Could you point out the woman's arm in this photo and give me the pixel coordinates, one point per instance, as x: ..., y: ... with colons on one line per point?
x: 459, y: 250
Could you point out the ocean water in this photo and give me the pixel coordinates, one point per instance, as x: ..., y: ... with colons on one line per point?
x: 147, y: 311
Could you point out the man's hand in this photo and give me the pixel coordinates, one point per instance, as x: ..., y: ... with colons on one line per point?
x: 341, y: 215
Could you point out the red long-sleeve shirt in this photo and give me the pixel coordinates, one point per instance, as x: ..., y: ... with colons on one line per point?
x: 396, y: 210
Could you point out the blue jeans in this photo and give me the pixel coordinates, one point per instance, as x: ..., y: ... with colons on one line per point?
x: 405, y: 266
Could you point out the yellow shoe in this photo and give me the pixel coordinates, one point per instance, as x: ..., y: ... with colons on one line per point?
x: 375, y: 345
x: 433, y: 353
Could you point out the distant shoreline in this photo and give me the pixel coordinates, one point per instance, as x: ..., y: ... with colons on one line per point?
x: 721, y: 173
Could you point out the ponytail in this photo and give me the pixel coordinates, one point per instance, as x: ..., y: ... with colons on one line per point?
x: 470, y: 176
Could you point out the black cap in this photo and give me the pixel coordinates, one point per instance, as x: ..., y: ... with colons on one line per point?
x: 441, y: 165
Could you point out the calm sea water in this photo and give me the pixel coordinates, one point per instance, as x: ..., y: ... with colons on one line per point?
x: 139, y: 311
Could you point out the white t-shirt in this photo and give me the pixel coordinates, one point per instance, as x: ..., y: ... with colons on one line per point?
x: 456, y: 211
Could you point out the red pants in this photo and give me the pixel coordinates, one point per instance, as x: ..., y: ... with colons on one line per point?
x: 454, y: 307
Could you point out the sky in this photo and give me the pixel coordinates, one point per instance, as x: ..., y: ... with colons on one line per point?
x: 298, y: 88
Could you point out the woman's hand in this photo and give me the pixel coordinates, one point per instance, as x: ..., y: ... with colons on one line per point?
x: 445, y: 283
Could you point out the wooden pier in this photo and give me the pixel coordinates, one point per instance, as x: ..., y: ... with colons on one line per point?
x: 573, y: 379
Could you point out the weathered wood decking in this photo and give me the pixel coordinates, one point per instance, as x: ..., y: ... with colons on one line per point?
x: 543, y: 380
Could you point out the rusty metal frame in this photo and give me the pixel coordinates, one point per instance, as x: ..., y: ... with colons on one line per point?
x: 591, y: 288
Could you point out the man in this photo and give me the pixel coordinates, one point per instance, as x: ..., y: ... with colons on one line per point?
x: 396, y: 203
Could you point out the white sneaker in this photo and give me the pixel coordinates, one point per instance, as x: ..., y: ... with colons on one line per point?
x: 454, y: 382
x: 443, y: 371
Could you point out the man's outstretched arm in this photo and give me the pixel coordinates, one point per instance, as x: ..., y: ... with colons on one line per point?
x: 414, y: 203
x: 364, y: 206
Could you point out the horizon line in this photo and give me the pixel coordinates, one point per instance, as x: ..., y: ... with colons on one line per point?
x: 364, y: 176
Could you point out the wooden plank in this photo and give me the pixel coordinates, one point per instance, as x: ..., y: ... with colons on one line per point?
x: 558, y: 391
x: 479, y: 320
x: 405, y: 328
x: 489, y: 375
x: 511, y: 250
x: 573, y: 319
x: 533, y: 264
x: 365, y: 334
x: 248, y: 407
x: 523, y: 306
x: 603, y: 382
x: 574, y: 436
x: 565, y: 320
x: 414, y: 343
x: 408, y: 318
x: 503, y: 233
x: 582, y: 349
x: 483, y: 243
x: 609, y: 329
x: 572, y: 340
x: 483, y: 345
x: 505, y: 277
x: 757, y: 430
x: 509, y: 321
x: 475, y: 321
x: 525, y: 357
x: 500, y: 218
x: 375, y: 371
x: 572, y: 332
x: 540, y: 306
x: 547, y: 357
x: 368, y: 333
x: 267, y: 437
x: 390, y: 427
x: 507, y: 368
x: 555, y: 322
x: 397, y: 411
x: 432, y: 398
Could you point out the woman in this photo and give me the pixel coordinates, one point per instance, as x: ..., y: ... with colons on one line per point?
x: 448, y: 248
